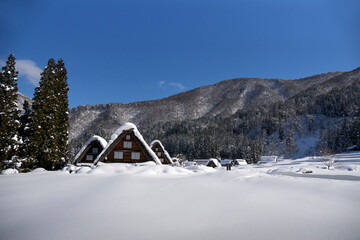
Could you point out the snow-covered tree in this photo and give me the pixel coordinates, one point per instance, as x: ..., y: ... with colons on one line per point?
x: 61, y: 114
x: 290, y: 144
x: 9, y: 112
x: 49, y: 117
x: 24, y: 131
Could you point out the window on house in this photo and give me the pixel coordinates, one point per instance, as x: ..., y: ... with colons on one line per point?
x: 161, y: 160
x: 135, y: 156
x: 159, y: 154
x: 127, y: 144
x: 127, y: 137
x: 95, y: 150
x: 89, y: 157
x: 156, y: 149
x: 118, y: 155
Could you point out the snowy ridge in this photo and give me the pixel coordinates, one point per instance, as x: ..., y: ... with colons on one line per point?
x: 125, y: 127
x: 102, y: 142
x: 165, y: 152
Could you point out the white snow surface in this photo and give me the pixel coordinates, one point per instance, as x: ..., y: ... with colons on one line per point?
x: 165, y: 152
x: 102, y: 142
x: 124, y: 127
x: 149, y: 201
x: 9, y: 171
x: 268, y: 159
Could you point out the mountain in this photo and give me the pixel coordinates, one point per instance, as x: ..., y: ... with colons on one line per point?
x: 223, y: 99
x: 21, y: 99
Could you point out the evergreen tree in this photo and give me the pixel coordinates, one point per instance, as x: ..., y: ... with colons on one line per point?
x: 43, y: 125
x: 24, y: 131
x: 256, y: 151
x: 61, y: 115
x: 356, y: 132
x: 290, y: 144
x: 9, y: 112
x: 49, y: 118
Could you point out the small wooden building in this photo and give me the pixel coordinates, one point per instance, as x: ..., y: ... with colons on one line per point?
x: 127, y: 146
x: 212, y: 162
x: 240, y: 162
x: 227, y: 163
x: 161, y: 153
x: 90, y: 151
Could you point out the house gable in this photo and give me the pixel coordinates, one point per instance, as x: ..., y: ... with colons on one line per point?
x: 127, y: 150
x: 91, y: 150
x: 127, y: 146
x: 160, y: 152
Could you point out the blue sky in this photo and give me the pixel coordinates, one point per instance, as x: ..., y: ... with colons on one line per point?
x: 127, y: 51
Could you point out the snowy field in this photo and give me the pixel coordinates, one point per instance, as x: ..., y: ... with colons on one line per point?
x: 118, y: 201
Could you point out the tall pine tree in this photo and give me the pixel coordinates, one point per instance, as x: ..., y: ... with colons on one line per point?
x: 49, y: 117
x: 9, y: 112
x: 42, y: 125
x: 61, y: 115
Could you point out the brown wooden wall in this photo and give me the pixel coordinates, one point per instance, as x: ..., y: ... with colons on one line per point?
x: 93, y: 144
x: 126, y: 151
x: 161, y: 151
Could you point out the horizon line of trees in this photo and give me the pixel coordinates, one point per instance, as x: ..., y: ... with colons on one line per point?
x: 37, y: 136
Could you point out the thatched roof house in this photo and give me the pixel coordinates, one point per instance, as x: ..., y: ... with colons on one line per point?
x: 127, y: 146
x: 160, y: 152
x: 90, y: 151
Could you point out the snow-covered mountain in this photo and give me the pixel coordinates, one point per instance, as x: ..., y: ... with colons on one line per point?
x: 222, y: 99
x: 225, y: 98
x: 21, y: 99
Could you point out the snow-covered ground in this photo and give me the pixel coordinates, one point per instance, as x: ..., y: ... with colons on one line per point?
x: 119, y: 201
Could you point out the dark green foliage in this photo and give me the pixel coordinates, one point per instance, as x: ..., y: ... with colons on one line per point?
x: 61, y: 114
x: 291, y: 147
x: 9, y: 113
x: 24, y: 131
x: 338, y: 140
x: 50, y: 118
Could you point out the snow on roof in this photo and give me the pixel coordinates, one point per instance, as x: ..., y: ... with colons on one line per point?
x: 126, y: 127
x: 165, y: 152
x: 241, y: 161
x: 226, y: 161
x: 93, y: 138
x: 217, y: 163
x: 206, y: 161
x: 267, y: 159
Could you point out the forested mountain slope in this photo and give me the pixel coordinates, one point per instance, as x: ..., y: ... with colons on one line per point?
x: 223, y: 108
